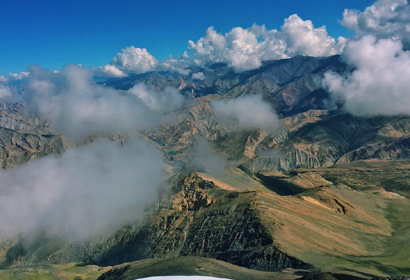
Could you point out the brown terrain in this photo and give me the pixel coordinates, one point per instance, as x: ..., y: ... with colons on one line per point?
x: 324, y: 197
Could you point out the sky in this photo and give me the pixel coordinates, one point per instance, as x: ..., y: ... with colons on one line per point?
x: 55, y: 33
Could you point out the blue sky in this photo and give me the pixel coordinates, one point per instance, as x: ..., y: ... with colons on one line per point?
x: 55, y: 33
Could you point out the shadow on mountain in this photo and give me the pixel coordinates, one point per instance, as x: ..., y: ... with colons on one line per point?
x: 279, y: 186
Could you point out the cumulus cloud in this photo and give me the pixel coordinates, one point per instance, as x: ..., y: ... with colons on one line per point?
x: 3, y: 79
x: 302, y: 38
x: 379, y: 85
x: 246, y: 49
x: 198, y: 76
x: 134, y: 59
x: 5, y: 92
x: 112, y: 71
x: 246, y: 112
x: 384, y: 19
x: 75, y: 106
x: 88, y: 191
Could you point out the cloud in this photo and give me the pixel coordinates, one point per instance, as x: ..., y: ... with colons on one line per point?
x: 112, y: 71
x: 303, y: 39
x: 198, y: 76
x: 165, y: 101
x: 384, y: 19
x: 5, y: 92
x: 246, y: 49
x: 134, y: 59
x: 76, y: 107
x: 246, y: 112
x: 88, y: 191
x: 3, y: 79
x: 205, y: 160
x: 19, y: 76
x: 179, y: 65
x: 379, y: 85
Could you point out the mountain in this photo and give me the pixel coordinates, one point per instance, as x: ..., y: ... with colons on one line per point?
x: 290, y: 85
x: 327, y: 192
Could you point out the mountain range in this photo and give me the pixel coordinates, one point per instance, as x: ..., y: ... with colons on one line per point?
x: 325, y: 194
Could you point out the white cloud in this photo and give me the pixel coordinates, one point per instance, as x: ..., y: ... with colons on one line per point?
x: 3, y: 79
x: 303, y: 39
x: 246, y: 49
x: 88, y: 191
x: 5, y: 92
x: 246, y: 112
x: 112, y: 71
x: 383, y: 19
x: 19, y: 76
x: 198, y: 76
x: 75, y: 106
x: 134, y: 59
x: 379, y: 85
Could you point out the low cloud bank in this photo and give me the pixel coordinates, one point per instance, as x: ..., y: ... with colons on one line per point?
x: 85, y: 192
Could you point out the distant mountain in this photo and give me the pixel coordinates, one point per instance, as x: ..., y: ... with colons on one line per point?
x: 290, y: 85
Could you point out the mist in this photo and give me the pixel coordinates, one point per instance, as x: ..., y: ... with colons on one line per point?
x: 246, y: 112
x: 76, y: 107
x: 205, y: 160
x: 87, y: 191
